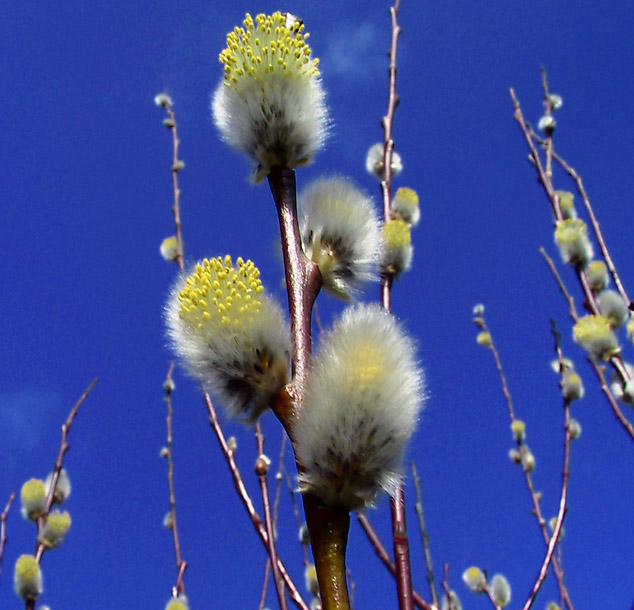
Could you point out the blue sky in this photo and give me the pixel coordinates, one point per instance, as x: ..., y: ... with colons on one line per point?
x: 86, y: 192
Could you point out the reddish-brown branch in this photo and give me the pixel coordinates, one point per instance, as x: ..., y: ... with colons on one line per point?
x: 247, y: 502
x: 3, y: 526
x: 180, y: 258
x: 424, y: 535
x: 534, y: 495
x: 598, y: 368
x: 181, y: 565
x: 385, y: 558
x: 261, y: 470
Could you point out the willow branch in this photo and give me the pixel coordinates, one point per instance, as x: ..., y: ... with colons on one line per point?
x: 261, y: 470
x: 247, y: 502
x: 181, y: 565
x: 385, y: 558
x: 424, y: 535
x: 3, y: 526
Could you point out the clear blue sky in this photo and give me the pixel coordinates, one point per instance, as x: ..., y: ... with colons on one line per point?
x: 86, y: 195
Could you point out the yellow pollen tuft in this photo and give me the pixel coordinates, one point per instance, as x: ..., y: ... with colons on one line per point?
x: 207, y: 297
x: 396, y: 234
x: 366, y: 363
x: 247, y: 58
x: 407, y: 195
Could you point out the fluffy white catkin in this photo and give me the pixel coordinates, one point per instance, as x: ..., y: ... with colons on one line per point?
x: 363, y: 396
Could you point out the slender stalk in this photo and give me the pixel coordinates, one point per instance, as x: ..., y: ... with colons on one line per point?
x: 246, y: 500
x: 534, y: 495
x: 261, y: 470
x: 385, y: 558
x: 424, y: 535
x: 181, y: 565
x: 57, y: 468
x: 3, y: 526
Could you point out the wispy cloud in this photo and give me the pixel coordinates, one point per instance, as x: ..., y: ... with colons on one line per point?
x: 25, y: 415
x: 352, y: 51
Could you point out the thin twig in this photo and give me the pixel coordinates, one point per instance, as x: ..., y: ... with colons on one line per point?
x: 534, y: 494
x: 593, y: 220
x: 397, y: 502
x: 3, y: 526
x: 424, y: 535
x: 563, y: 501
x: 447, y: 590
x: 181, y: 565
x: 385, y: 558
x: 40, y: 548
x: 598, y: 369
x: 261, y: 469
x: 246, y: 500
x: 180, y: 257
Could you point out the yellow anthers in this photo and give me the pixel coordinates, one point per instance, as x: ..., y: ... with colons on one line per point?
x: 475, y: 579
x: 177, y: 603
x: 33, y: 497
x: 598, y: 277
x: 405, y: 206
x: 571, y: 236
x: 594, y: 334
x: 310, y: 578
x: 264, y: 47
x: 209, y: 294
x: 170, y: 249
x: 567, y: 204
x: 54, y: 530
x: 571, y: 385
x: 518, y: 430
x: 27, y: 577
x: 484, y: 339
x: 397, y: 247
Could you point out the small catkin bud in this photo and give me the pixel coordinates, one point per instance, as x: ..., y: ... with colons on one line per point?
x: 374, y: 162
x: 552, y: 606
x: 230, y: 335
x: 574, y: 428
x: 164, y: 453
x: 168, y: 522
x: 552, y: 523
x: 571, y: 385
x: 567, y: 204
x: 405, y: 206
x: 177, y: 603
x: 571, y: 237
x: 54, y: 529
x: 362, y: 399
x: 304, y: 534
x: 170, y: 250
x: 177, y: 166
x: 501, y: 590
x: 556, y: 101
x: 484, y: 339
x: 547, y: 124
x: 452, y: 601
x: 478, y: 310
x: 163, y: 100
x: 518, y: 430
x: 560, y: 367
x: 310, y: 578
x: 624, y: 391
x: 169, y: 123
x: 527, y: 458
x: 593, y: 334
x: 515, y: 456
x: 629, y: 329
x: 475, y: 579
x: 27, y: 577
x: 232, y: 443
x: 613, y: 307
x: 598, y: 277
x: 33, y: 497
x: 397, y: 247
x: 270, y: 104
x: 62, y: 488
x: 340, y: 233
x: 169, y: 386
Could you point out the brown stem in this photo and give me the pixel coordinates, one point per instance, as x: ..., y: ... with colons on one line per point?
x: 261, y: 470
x: 384, y: 556
x: 246, y: 500
x: 3, y: 526
x: 181, y: 565
x: 598, y: 369
x: 328, y: 528
x: 424, y: 535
